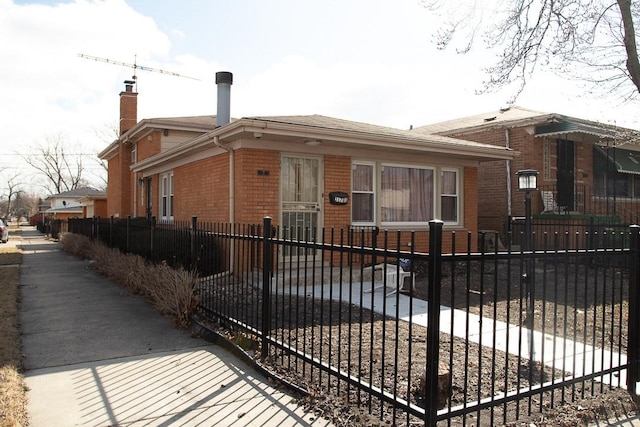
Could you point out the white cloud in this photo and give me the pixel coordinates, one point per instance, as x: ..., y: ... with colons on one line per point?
x: 373, y: 62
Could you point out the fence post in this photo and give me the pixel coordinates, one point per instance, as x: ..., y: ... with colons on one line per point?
x: 111, y: 221
x: 194, y: 255
x: 128, y: 225
x: 94, y: 228
x: 633, y: 350
x: 433, y: 321
x: 266, y: 285
x: 152, y: 234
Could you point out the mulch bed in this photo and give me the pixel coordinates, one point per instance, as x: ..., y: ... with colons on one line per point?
x: 392, y: 354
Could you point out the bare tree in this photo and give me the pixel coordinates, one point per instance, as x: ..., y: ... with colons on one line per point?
x: 62, y: 169
x: 593, y: 40
x: 109, y: 133
x: 12, y: 192
x: 23, y: 205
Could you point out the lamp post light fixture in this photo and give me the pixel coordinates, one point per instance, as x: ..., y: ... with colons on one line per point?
x: 528, y: 182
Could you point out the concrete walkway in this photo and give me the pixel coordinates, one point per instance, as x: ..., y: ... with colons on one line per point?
x: 548, y: 349
x: 553, y: 351
x: 95, y: 355
x: 98, y: 356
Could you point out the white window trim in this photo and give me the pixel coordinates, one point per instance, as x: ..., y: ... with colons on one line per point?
x: 167, y: 215
x: 437, y: 203
x: 134, y: 153
x: 458, y: 172
x: 374, y: 185
x: 435, y: 190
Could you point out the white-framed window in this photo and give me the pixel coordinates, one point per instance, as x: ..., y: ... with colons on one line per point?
x: 363, y: 206
x: 134, y: 153
x: 404, y: 195
x: 449, y: 190
x: 166, y: 196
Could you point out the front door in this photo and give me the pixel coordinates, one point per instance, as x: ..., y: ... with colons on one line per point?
x: 566, y: 175
x: 300, y: 191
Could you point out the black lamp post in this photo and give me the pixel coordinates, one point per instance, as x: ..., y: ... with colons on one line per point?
x: 528, y: 182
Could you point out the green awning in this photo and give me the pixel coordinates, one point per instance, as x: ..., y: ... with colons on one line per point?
x: 563, y: 128
x: 625, y: 161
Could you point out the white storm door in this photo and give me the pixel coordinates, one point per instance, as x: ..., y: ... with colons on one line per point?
x: 300, y: 200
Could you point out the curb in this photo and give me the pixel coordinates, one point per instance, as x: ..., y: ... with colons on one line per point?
x: 203, y: 331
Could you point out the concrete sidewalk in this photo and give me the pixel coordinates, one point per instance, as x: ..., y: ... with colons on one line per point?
x: 95, y: 355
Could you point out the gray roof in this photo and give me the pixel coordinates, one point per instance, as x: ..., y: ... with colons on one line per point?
x: 66, y: 209
x: 331, y: 123
x: 325, y: 122
x: 488, y: 119
x: 196, y: 121
x: 543, y: 124
x: 78, y: 192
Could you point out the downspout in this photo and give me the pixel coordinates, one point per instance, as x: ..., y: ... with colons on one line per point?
x: 232, y: 192
x: 135, y: 195
x: 508, y: 166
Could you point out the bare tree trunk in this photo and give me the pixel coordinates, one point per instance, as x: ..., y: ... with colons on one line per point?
x: 633, y: 65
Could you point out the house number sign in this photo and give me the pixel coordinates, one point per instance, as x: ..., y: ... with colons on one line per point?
x: 338, y: 198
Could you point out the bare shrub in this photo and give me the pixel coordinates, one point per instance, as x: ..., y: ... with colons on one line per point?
x: 76, y: 245
x: 169, y: 290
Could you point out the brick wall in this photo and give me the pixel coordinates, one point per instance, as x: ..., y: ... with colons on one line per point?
x: 138, y: 209
x: 119, y: 200
x: 148, y: 146
x: 257, y: 184
x: 100, y: 208
x: 493, y: 204
x: 492, y: 176
x: 114, y: 188
x: 128, y: 109
x: 471, y: 199
x: 126, y: 196
x: 337, y: 177
x: 202, y: 189
x: 119, y: 188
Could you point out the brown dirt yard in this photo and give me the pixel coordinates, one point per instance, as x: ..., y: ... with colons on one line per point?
x: 380, y: 350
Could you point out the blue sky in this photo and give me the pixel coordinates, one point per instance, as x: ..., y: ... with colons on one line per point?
x: 366, y: 60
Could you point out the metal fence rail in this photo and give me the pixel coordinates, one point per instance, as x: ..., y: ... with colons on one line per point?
x: 504, y: 334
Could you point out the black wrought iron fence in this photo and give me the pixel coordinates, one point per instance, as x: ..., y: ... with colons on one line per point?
x: 189, y: 245
x: 586, y: 232
x: 505, y: 333
x: 55, y: 227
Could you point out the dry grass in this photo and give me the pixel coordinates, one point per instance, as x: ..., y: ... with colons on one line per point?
x: 13, y: 390
x: 169, y: 290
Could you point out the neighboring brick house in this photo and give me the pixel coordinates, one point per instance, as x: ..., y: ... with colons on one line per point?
x: 585, y: 168
x: 303, y: 171
x: 71, y: 204
x: 94, y: 205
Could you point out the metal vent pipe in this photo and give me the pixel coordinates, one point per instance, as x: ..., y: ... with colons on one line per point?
x: 224, y: 80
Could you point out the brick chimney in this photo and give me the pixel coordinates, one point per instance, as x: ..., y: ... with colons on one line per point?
x: 128, y: 107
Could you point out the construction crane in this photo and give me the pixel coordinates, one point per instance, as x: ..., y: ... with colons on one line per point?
x: 135, y: 66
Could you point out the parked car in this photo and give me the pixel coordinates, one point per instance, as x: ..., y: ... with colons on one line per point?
x: 4, y: 232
